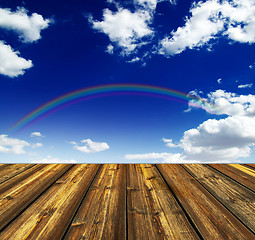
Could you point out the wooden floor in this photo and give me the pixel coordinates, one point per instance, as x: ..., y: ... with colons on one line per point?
x: 143, y: 201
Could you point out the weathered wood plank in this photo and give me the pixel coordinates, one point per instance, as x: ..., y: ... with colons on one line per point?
x: 240, y: 173
x: 251, y: 165
x: 15, y: 199
x: 102, y: 214
x: 153, y: 212
x: 211, y: 218
x: 238, y: 199
x: 8, y: 171
x: 50, y: 215
x: 11, y: 182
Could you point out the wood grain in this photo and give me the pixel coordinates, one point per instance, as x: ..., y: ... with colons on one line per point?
x: 102, y: 214
x: 239, y: 173
x: 49, y: 216
x: 8, y: 171
x: 238, y: 199
x: 15, y: 199
x: 153, y: 212
x: 210, y: 217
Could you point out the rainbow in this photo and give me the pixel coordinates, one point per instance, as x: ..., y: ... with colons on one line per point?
x: 100, y: 91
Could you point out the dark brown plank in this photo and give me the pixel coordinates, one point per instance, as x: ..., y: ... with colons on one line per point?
x: 210, y: 217
x: 153, y: 212
x: 15, y: 199
x: 8, y: 171
x: 102, y: 214
x: 238, y: 199
x: 239, y: 173
x: 50, y: 215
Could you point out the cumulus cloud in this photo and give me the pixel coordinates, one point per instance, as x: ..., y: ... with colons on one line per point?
x: 221, y: 102
x: 224, y: 140
x: 128, y: 30
x: 11, y: 64
x: 50, y: 159
x: 90, y: 146
x: 234, y: 20
x: 124, y: 28
x: 27, y: 27
x: 12, y: 145
x: 36, y: 134
x: 220, y: 140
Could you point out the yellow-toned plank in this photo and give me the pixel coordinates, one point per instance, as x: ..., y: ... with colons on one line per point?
x: 242, y: 168
x: 239, y: 173
x: 210, y: 217
x: 238, y: 199
x: 11, y: 182
x: 102, y: 214
x: 50, y: 215
x: 15, y: 199
x: 8, y: 171
x: 153, y: 212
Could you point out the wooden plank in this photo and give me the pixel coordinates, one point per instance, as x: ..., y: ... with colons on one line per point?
x: 15, y: 199
x: 210, y: 217
x: 238, y: 199
x: 11, y: 182
x: 153, y: 212
x: 239, y: 173
x: 251, y: 165
x: 8, y: 171
x: 50, y: 215
x: 102, y: 214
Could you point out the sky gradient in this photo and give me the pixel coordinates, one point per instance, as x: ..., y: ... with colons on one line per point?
x: 204, y: 50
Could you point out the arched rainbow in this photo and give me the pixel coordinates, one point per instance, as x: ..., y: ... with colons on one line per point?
x: 101, y: 90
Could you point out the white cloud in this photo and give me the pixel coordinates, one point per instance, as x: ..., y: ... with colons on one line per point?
x: 125, y: 28
x: 36, y: 134
x: 232, y: 104
x: 27, y: 27
x: 110, y: 49
x: 164, y: 157
x: 220, y: 140
x: 11, y: 64
x: 50, y: 159
x: 223, y: 141
x: 169, y: 143
x: 12, y: 145
x: 234, y: 20
x: 245, y: 85
x: 90, y: 146
x: 36, y: 145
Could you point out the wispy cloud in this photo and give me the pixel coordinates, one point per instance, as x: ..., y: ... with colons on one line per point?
x: 246, y: 85
x: 49, y: 159
x: 12, y: 145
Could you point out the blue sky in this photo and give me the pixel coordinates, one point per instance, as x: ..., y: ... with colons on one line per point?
x: 205, y: 49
